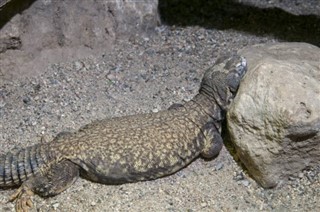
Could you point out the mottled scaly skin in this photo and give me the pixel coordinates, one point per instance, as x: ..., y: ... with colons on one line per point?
x: 130, y: 148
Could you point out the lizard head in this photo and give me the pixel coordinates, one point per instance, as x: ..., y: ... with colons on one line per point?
x: 221, y: 81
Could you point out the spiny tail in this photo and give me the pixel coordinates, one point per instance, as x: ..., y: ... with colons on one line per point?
x: 16, y: 167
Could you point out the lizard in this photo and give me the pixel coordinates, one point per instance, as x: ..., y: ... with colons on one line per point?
x: 129, y: 148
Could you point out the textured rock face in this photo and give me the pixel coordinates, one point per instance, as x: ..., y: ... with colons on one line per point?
x: 135, y: 16
x: 274, y: 122
x: 77, y: 30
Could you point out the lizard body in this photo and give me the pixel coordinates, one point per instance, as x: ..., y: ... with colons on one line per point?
x: 130, y: 148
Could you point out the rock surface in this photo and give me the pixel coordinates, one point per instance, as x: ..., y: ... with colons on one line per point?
x: 134, y: 16
x: 275, y: 119
x: 57, y: 31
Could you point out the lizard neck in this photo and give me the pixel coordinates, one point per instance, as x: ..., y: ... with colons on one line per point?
x: 203, y: 109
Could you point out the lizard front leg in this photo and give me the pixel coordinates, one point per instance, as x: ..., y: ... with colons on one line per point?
x: 212, y: 141
x: 52, y: 182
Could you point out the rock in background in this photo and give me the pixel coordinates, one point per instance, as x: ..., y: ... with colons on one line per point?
x: 275, y: 119
x: 36, y: 33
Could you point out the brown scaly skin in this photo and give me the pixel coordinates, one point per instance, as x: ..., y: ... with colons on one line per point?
x: 131, y: 148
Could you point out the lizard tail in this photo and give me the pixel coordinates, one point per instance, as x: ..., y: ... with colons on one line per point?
x: 16, y: 167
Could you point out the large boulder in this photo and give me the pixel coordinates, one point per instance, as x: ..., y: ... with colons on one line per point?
x: 36, y: 33
x: 274, y: 121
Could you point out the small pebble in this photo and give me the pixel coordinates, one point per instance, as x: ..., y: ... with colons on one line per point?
x: 78, y: 65
x: 239, y: 176
x: 246, y: 183
x: 26, y: 100
x: 219, y: 166
x: 204, y: 204
x: 301, y: 175
x: 55, y: 205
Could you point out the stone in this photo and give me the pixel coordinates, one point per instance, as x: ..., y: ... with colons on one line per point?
x: 135, y: 16
x: 274, y: 121
x: 35, y: 33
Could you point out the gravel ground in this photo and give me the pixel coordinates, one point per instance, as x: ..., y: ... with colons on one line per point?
x: 143, y: 74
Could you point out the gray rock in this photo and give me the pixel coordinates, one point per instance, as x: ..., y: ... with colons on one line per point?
x: 219, y: 166
x: 57, y: 31
x: 246, y: 183
x: 51, y: 24
x: 135, y: 16
x: 274, y: 122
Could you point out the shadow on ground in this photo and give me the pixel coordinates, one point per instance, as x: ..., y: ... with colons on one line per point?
x: 227, y: 14
x: 11, y: 8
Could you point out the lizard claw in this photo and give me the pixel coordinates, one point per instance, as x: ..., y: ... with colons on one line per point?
x: 23, y: 199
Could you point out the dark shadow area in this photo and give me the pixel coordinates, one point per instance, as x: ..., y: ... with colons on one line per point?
x: 227, y: 14
x: 11, y: 8
x: 227, y: 141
